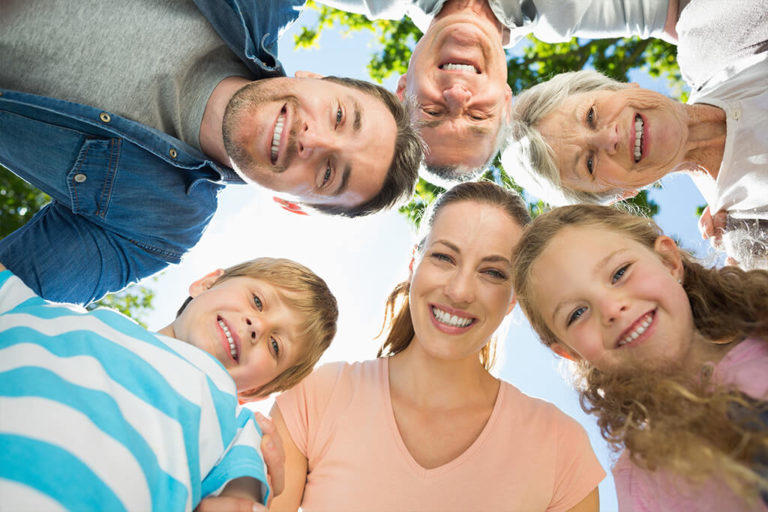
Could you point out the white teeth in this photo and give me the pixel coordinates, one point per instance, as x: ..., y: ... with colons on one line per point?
x: 459, y: 67
x: 638, y: 137
x: 640, y: 329
x: 277, y: 135
x: 449, y: 319
x: 232, y: 346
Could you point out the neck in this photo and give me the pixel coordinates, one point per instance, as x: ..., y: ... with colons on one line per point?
x: 211, y: 139
x: 167, y: 331
x: 706, y: 139
x: 705, y: 351
x: 479, y: 8
x: 433, y: 382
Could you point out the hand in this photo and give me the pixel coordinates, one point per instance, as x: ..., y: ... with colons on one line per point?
x: 274, y: 454
x: 713, y: 227
x: 229, y: 504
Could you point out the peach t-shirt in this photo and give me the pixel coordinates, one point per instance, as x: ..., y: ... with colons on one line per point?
x: 529, y: 457
x: 640, y: 490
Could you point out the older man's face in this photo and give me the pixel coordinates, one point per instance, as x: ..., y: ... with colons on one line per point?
x: 458, y: 76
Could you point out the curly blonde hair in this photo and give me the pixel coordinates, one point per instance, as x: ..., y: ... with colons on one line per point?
x: 666, y: 417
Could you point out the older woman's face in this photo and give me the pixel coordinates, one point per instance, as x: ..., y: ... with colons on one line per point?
x: 615, y: 140
x: 461, y: 287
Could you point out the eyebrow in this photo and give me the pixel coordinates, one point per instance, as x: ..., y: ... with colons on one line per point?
x: 595, y: 270
x: 358, y: 123
x: 344, y: 181
x: 474, y: 129
x: 495, y: 258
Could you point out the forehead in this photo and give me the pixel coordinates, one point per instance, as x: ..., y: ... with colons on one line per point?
x: 475, y: 227
x: 459, y: 142
x: 564, y: 130
x: 367, y: 154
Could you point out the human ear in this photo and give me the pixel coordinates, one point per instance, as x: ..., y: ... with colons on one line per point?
x: 204, y: 283
x: 307, y: 74
x: 670, y: 255
x: 401, y: 83
x: 565, y: 351
x: 512, y: 303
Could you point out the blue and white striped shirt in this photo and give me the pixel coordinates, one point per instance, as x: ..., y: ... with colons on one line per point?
x: 97, y: 413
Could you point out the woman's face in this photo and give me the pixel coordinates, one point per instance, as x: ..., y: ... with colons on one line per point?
x: 461, y: 287
x: 615, y: 140
x: 612, y: 300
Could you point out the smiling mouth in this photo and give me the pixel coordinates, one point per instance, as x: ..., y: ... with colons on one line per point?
x: 639, y: 137
x: 232, y: 344
x: 277, y: 135
x: 639, y: 329
x: 451, y: 320
x: 456, y: 66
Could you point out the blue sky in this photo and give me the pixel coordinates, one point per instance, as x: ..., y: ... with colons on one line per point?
x: 363, y: 259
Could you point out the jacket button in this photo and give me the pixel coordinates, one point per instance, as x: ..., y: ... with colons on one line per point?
x: 80, y: 178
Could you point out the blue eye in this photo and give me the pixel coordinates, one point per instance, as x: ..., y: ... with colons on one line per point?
x: 591, y: 116
x: 441, y: 257
x: 275, y: 346
x: 497, y: 274
x: 257, y: 302
x: 576, y: 315
x: 328, y: 173
x: 619, y: 274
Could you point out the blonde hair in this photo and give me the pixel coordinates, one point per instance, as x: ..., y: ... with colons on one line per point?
x: 398, y: 324
x: 666, y: 417
x: 307, y: 294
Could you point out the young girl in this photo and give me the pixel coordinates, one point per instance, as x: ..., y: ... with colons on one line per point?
x: 669, y: 354
x: 97, y: 413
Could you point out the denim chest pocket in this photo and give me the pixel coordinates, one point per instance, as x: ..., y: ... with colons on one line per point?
x: 92, y: 177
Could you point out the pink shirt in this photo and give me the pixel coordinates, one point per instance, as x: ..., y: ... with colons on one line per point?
x: 638, y: 490
x: 529, y: 457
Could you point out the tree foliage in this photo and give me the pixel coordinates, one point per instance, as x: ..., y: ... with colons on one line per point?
x: 531, y: 62
x: 19, y: 202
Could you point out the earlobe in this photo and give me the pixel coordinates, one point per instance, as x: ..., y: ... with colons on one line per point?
x: 289, y: 206
x: 401, y: 83
x: 627, y: 194
x: 564, y: 351
x: 205, y: 282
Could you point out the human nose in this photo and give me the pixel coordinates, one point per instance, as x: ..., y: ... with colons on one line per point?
x: 253, y: 329
x: 612, y: 307
x: 460, y: 287
x: 456, y: 96
x: 607, y: 138
x: 313, y: 141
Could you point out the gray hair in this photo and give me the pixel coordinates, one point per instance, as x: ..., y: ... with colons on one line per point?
x: 529, y: 159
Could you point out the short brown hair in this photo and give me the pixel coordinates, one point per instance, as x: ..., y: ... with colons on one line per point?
x: 309, y: 296
x: 397, y: 314
x: 403, y: 172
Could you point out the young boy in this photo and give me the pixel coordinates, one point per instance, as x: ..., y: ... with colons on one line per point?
x: 97, y: 413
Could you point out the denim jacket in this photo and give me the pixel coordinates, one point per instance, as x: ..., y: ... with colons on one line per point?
x: 127, y: 199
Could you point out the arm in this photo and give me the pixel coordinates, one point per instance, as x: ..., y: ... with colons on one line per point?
x: 2, y: 267
x: 295, y: 468
x: 240, y: 495
x: 673, y: 14
x: 589, y: 504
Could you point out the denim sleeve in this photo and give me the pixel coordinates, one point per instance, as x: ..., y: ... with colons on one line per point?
x: 65, y: 257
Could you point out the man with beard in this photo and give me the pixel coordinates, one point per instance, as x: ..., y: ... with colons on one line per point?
x: 133, y: 115
x: 458, y: 70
